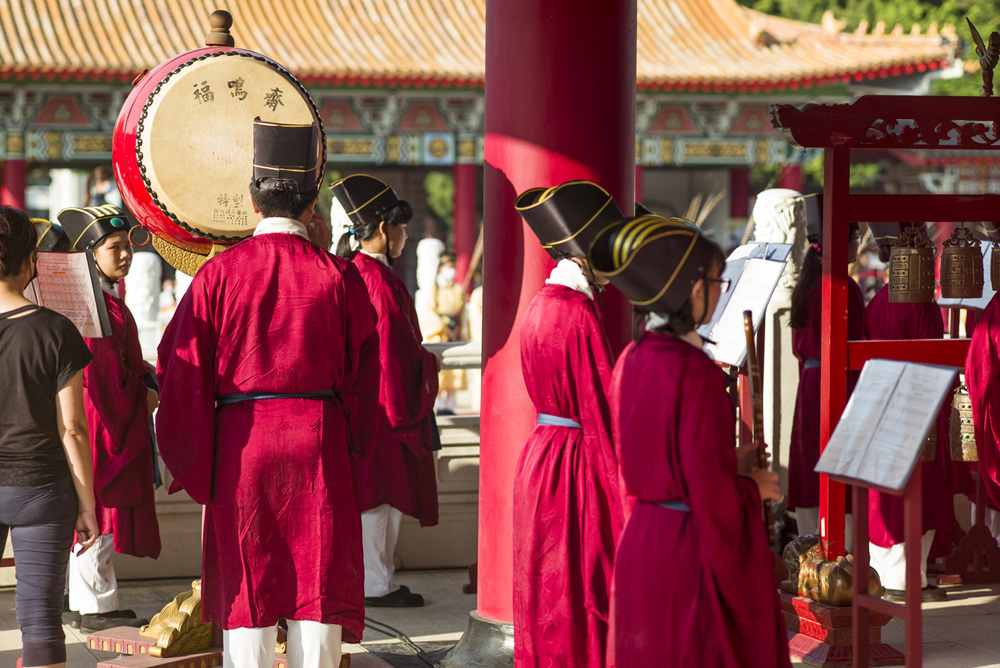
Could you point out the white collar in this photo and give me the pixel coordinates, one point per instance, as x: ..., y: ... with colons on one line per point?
x: 569, y: 274
x: 379, y: 257
x: 281, y: 226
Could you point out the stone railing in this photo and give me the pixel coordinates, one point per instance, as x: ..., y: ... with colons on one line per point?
x: 452, y: 543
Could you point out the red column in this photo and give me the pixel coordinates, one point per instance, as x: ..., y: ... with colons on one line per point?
x: 560, y: 105
x: 13, y: 183
x: 466, y: 198
x: 833, y: 345
x: 791, y: 177
x: 739, y: 192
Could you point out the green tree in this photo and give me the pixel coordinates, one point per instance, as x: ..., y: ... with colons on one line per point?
x: 440, y: 190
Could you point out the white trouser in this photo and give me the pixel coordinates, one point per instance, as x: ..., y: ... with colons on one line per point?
x: 808, y: 523
x: 93, y: 587
x: 992, y: 521
x: 309, y: 645
x: 890, y: 562
x: 379, y: 533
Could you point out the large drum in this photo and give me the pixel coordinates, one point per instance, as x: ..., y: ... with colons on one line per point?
x: 183, y: 146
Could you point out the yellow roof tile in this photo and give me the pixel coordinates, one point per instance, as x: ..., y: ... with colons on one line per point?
x: 682, y: 44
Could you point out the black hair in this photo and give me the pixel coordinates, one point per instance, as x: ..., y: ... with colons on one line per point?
x: 682, y: 321
x: 281, y: 203
x: 18, y: 238
x: 399, y: 213
x: 812, y: 269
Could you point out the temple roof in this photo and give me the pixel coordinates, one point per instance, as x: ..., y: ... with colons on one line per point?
x: 683, y: 45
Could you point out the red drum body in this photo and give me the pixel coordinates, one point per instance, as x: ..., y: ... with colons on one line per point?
x: 183, y: 144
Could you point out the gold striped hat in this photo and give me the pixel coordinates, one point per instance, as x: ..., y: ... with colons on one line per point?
x: 653, y: 260
x: 567, y: 217
x: 365, y: 198
x: 85, y: 226
x: 51, y: 236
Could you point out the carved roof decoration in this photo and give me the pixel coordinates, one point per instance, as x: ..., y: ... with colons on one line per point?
x: 683, y: 45
x: 892, y: 122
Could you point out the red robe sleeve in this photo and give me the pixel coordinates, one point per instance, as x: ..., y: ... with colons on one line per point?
x: 982, y: 368
x: 361, y: 380
x: 409, y: 371
x: 116, y: 408
x: 185, y: 420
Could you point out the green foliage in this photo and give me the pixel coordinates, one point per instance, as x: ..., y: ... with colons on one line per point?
x: 984, y: 13
x: 767, y: 175
x: 440, y: 189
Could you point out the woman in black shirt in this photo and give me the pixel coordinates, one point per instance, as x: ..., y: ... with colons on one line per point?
x: 46, y: 476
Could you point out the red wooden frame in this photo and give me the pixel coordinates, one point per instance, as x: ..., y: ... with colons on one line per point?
x: 881, y: 122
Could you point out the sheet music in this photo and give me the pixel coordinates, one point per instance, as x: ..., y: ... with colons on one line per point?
x: 67, y: 283
x: 752, y: 291
x: 882, y: 432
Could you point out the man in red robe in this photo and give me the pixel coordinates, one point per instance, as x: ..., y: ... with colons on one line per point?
x: 567, y: 505
x: 941, y: 477
x: 269, y: 386
x: 118, y: 404
x: 694, y: 581
x: 399, y: 478
x: 982, y: 378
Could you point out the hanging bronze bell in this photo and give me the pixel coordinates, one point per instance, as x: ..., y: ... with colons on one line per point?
x: 961, y: 266
x: 911, y: 268
x: 963, y: 432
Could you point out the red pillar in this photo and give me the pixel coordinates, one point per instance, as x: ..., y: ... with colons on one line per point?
x: 739, y: 192
x: 791, y: 177
x: 466, y: 198
x: 560, y: 105
x: 13, y: 183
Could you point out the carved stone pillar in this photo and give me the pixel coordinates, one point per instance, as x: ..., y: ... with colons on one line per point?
x: 780, y: 217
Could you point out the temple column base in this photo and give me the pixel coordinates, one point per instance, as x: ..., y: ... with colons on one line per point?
x: 820, y: 635
x: 485, y: 643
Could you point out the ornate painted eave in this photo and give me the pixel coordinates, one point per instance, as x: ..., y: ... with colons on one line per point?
x: 685, y: 46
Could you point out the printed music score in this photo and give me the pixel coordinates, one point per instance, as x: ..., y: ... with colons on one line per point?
x: 68, y: 284
x: 882, y: 432
x: 753, y: 270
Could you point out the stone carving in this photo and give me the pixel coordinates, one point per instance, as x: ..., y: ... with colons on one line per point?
x: 779, y: 217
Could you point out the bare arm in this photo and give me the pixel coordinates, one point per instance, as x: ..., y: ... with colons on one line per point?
x: 72, y: 423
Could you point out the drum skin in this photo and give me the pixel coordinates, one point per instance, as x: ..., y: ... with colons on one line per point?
x: 169, y: 215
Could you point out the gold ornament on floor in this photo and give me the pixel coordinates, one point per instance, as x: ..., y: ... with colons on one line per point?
x: 178, y: 627
x: 961, y: 266
x: 826, y: 582
x: 911, y: 268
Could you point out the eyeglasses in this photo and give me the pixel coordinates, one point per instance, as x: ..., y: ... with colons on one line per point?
x: 724, y: 283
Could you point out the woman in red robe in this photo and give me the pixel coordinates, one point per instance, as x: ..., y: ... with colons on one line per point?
x: 118, y: 404
x: 694, y: 581
x: 399, y: 477
x: 567, y: 507
x: 806, y: 321
x: 942, y: 477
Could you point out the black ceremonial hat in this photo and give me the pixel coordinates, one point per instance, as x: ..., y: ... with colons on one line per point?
x: 567, y: 217
x: 50, y: 236
x: 286, y: 156
x: 365, y: 198
x: 655, y: 261
x: 86, y: 226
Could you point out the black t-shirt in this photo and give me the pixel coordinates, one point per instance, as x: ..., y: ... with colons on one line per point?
x: 40, y: 351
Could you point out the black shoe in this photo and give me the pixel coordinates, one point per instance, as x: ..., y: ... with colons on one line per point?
x: 74, y: 619
x: 109, y: 620
x: 928, y: 593
x: 401, y: 598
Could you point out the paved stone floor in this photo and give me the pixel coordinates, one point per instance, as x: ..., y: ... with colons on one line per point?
x: 962, y: 632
